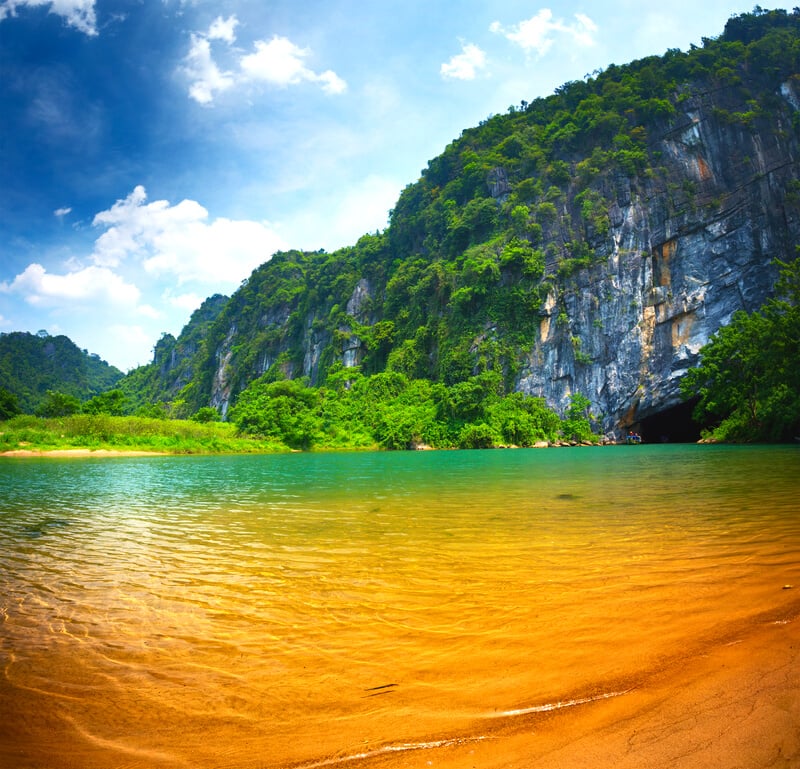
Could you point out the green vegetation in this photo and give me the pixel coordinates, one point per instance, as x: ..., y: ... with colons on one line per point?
x: 748, y: 381
x: 33, y: 364
x: 96, y: 432
x: 353, y: 411
x: 391, y: 411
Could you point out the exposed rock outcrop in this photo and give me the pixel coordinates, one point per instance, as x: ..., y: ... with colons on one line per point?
x: 676, y: 264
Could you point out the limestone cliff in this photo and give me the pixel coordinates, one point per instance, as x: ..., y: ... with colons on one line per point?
x: 679, y: 260
x: 590, y: 242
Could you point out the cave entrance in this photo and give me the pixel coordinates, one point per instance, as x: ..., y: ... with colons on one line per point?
x: 672, y: 425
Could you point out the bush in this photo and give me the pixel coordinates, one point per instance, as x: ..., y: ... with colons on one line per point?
x: 476, y: 436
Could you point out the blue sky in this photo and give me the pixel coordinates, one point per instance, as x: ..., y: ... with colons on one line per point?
x: 154, y: 152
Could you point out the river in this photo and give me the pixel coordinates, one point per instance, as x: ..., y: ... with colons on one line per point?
x: 317, y: 609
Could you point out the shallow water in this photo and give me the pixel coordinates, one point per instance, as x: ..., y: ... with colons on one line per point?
x: 310, y: 608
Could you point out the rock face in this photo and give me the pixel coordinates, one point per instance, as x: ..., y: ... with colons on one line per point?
x: 678, y: 263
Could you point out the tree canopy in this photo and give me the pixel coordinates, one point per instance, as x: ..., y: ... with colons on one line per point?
x: 748, y: 380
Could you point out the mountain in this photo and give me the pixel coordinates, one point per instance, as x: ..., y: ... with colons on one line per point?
x: 588, y: 242
x: 170, y: 377
x: 32, y: 364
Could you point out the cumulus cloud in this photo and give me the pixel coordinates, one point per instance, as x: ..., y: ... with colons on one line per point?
x: 223, y: 29
x: 538, y: 33
x: 465, y: 65
x: 90, y: 285
x: 150, y: 265
x: 278, y: 62
x: 181, y: 241
x: 359, y: 208
x: 206, y: 79
x: 62, y: 212
x: 189, y: 302
x: 77, y: 13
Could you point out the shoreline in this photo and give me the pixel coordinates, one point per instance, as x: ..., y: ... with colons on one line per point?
x: 81, y: 453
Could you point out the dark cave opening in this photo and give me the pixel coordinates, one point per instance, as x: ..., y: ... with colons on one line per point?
x: 672, y: 425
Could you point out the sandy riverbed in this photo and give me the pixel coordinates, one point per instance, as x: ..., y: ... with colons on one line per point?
x: 735, y: 707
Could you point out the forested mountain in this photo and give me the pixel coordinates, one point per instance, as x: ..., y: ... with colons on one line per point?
x: 32, y: 364
x: 589, y: 242
x: 171, y: 377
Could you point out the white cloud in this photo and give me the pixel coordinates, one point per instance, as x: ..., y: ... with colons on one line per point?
x: 90, y: 285
x: 280, y: 62
x: 77, y: 13
x: 465, y: 65
x: 62, y: 212
x: 358, y: 209
x: 188, y: 301
x: 540, y: 31
x: 136, y: 341
x: 223, y: 29
x: 150, y: 266
x: 206, y: 78
x: 180, y: 241
x: 148, y: 311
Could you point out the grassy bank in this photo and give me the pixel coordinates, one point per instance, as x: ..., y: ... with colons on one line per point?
x: 103, y: 432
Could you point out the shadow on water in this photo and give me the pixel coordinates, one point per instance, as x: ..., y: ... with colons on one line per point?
x: 44, y: 527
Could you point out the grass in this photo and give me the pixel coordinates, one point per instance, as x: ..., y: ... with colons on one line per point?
x: 95, y: 432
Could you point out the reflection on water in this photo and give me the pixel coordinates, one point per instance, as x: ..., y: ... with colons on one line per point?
x: 276, y: 610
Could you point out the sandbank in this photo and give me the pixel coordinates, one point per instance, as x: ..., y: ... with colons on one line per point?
x: 79, y: 453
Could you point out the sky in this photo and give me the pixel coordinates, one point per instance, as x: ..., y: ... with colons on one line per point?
x: 155, y: 152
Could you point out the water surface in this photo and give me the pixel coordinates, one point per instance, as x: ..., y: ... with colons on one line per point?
x: 306, y: 609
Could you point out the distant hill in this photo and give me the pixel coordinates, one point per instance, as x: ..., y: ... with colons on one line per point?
x: 32, y: 364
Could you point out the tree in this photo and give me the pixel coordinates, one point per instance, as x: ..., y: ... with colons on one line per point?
x: 112, y: 402
x: 577, y: 424
x: 747, y: 384
x: 58, y: 404
x: 285, y: 410
x: 9, y: 405
x: 206, y: 414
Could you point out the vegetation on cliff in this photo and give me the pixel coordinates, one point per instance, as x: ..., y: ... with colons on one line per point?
x: 392, y: 411
x: 748, y: 381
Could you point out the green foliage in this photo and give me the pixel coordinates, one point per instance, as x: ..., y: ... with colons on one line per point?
x: 9, y: 405
x: 393, y: 411
x: 102, y: 431
x: 748, y: 380
x: 112, y: 402
x: 57, y: 404
x: 205, y: 415
x: 30, y: 365
x: 577, y: 425
x: 285, y: 411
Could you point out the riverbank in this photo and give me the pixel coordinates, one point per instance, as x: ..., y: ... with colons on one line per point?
x: 103, y: 435
x: 79, y: 453
x: 731, y: 706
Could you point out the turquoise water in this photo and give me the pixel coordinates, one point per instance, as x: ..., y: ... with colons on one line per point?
x: 309, y: 608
